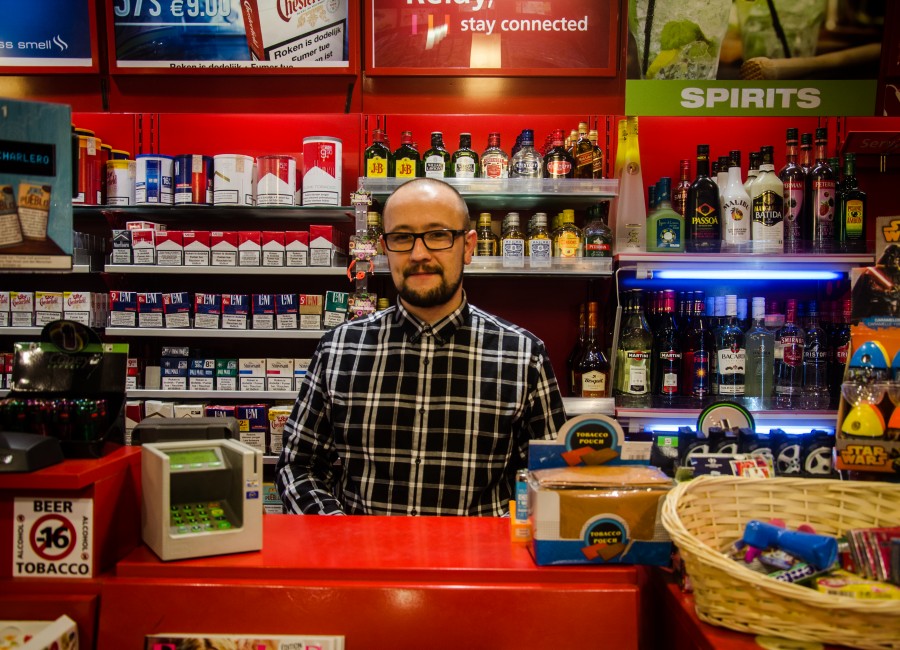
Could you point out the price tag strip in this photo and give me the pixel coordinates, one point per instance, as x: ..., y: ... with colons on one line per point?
x: 52, y: 538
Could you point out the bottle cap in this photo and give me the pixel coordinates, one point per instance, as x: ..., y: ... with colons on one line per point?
x: 759, y: 307
x: 792, y: 135
x: 527, y: 137
x: 730, y: 305
x: 742, y: 308
x: 664, y: 189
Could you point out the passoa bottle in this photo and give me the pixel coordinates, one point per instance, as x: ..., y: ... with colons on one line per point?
x: 494, y: 161
x: 593, y: 366
x: 437, y: 159
x: 406, y: 157
x: 377, y: 156
x: 633, y: 365
x: 703, y: 211
x: 794, y: 179
x: 736, y: 215
x: 464, y: 161
x: 666, y: 362
x: 759, y: 372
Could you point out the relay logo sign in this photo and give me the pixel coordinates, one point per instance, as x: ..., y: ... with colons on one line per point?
x: 500, y: 34
x: 53, y: 538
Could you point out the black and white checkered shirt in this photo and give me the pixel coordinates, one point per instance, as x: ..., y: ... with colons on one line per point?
x: 396, y: 417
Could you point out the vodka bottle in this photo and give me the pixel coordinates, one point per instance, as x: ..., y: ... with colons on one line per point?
x: 437, y: 159
x: 816, y: 394
x: 633, y: 365
x: 512, y: 244
x: 794, y: 179
x: 527, y: 162
x: 759, y: 371
x: 731, y: 353
x: 789, y: 341
x: 631, y: 211
x: 768, y: 207
x: 494, y: 161
x: 735, y: 206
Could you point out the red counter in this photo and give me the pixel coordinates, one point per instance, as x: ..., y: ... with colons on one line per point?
x: 393, y: 582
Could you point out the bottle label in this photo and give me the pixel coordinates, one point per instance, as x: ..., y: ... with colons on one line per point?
x: 791, y: 350
x: 636, y: 363
x: 377, y: 167
x: 597, y: 247
x: 731, y: 365
x: 853, y: 219
x: 405, y: 168
x: 513, y: 251
x: 485, y: 247
x: 597, y: 164
x: 823, y: 210
x: 494, y: 166
x: 593, y: 384
x: 768, y: 209
x: 670, y: 362
x: 668, y: 233
x: 705, y: 222
x: 793, y: 208
x: 559, y: 168
x: 567, y: 244
x: 539, y: 250
x: 527, y: 167
x: 736, y: 212
x: 434, y: 167
x: 464, y: 168
x: 841, y: 353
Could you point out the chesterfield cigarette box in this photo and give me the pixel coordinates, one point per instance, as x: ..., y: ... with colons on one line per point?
x: 177, y: 309
x: 79, y: 306
x: 249, y: 248
x: 48, y: 307
x: 223, y: 246
x: 202, y: 375
x: 170, y: 248
x: 300, y: 368
x: 251, y: 374
x: 4, y: 308
x: 263, y: 311
x: 278, y: 417
x: 296, y: 33
x: 287, y: 311
x: 325, y: 246
x: 21, y: 308
x: 226, y: 374
x: 280, y: 374
x: 296, y: 248
x: 121, y: 247
x: 272, y: 243
x: 207, y: 310
x: 253, y: 424
x: 150, y: 309
x: 196, y: 247
x: 143, y: 246
x: 123, y: 309
x: 235, y: 311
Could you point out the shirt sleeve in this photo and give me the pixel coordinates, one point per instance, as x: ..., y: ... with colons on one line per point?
x: 305, y: 474
x: 545, y: 413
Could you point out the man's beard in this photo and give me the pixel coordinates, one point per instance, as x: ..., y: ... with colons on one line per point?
x: 438, y: 295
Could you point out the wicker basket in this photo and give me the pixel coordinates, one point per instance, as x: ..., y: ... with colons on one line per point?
x: 705, y: 516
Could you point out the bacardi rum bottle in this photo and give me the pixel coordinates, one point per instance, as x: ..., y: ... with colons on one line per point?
x: 731, y: 353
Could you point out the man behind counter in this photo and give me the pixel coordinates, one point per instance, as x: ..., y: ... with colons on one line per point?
x: 425, y: 408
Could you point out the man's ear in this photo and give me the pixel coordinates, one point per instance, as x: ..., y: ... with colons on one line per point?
x: 471, y: 240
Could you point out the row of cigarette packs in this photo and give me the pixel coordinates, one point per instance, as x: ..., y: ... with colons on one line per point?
x: 144, y: 243
x: 37, y: 308
x: 261, y: 425
x: 264, y: 311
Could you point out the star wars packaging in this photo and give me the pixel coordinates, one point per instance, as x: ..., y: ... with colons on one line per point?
x: 71, y: 386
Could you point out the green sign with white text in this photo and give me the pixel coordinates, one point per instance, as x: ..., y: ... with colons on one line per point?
x: 750, y: 98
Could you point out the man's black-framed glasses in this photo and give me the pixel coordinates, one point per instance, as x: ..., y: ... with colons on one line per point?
x: 434, y: 240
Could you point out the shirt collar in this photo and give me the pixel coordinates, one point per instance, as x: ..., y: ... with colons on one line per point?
x: 443, y: 330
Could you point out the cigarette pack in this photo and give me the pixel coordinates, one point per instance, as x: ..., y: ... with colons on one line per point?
x: 196, y: 247
x: 170, y: 248
x: 272, y: 243
x: 235, y: 311
x: 249, y: 248
x: 223, y: 246
x: 207, y: 310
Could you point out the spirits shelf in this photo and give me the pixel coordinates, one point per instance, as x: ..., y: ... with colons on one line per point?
x: 305, y: 214
x: 494, y: 265
x: 141, y: 393
x: 589, y: 406
x: 646, y: 264
x: 153, y: 269
x: 191, y: 333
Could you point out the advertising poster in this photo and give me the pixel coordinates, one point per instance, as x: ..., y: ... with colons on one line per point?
x: 753, y: 57
x: 35, y: 185
x: 492, y: 36
x: 229, y: 34
x: 48, y: 34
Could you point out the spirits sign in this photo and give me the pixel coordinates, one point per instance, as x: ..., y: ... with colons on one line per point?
x: 492, y: 37
x: 47, y: 34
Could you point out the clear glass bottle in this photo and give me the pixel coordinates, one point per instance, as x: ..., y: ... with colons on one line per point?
x: 568, y: 240
x: 377, y: 156
x: 789, y: 341
x: 839, y: 348
x: 794, y: 179
x: 526, y: 162
x: 539, y: 248
x: 665, y: 227
x: 767, y: 202
x: 633, y: 354
x: 406, y: 161
x: 815, y: 395
x: 759, y: 372
x: 494, y: 161
x: 731, y: 353
x: 736, y: 215
x: 667, y: 350
x: 697, y: 352
x: 464, y: 161
x: 593, y: 366
x: 512, y: 243
x: 487, y: 243
x: 558, y: 162
x: 630, y: 228
x: 437, y: 159
x: 597, y: 235
x: 820, y: 197
x: 703, y: 212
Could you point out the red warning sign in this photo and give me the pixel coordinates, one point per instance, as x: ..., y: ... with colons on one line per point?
x: 52, y: 537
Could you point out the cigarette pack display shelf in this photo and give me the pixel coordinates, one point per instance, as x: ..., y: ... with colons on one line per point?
x: 405, y: 579
x: 20, y: 331
x: 78, y: 269
x: 193, y: 333
x: 492, y: 265
x: 589, y: 406
x: 140, y: 393
x: 153, y: 269
x: 181, y: 213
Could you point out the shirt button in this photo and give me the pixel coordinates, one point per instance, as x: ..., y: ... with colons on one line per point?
x: 418, y: 461
x: 413, y: 512
x: 425, y: 362
x: 421, y: 411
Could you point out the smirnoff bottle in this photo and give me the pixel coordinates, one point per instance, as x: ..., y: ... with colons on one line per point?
x: 494, y: 161
x: 633, y: 365
x: 794, y: 179
x: 820, y: 197
x: 731, y: 352
x: 735, y: 206
x: 768, y: 207
x: 789, y: 341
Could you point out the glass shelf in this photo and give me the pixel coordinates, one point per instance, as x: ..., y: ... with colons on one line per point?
x: 142, y: 393
x: 589, y: 406
x: 152, y: 269
x: 191, y: 333
x: 494, y: 265
x: 646, y: 264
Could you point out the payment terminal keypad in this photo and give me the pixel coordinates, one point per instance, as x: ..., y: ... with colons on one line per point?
x: 203, y: 517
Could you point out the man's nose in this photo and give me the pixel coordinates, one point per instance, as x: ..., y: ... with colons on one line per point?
x: 419, y: 249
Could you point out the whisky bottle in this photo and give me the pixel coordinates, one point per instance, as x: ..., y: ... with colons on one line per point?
x: 593, y: 366
x: 526, y: 162
x: 583, y: 153
x: 464, y: 161
x: 487, y: 243
x: 377, y: 156
x: 512, y: 243
x: 568, y: 239
x: 558, y: 163
x: 702, y: 214
x: 820, y: 197
x: 794, y: 180
x: 851, y: 219
x: 680, y: 191
x: 406, y: 157
x: 597, y: 164
x: 768, y: 207
x: 539, y: 247
x: 494, y: 161
x: 437, y: 158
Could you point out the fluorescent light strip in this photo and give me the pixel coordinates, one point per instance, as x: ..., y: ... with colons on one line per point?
x: 743, y: 274
x: 673, y: 428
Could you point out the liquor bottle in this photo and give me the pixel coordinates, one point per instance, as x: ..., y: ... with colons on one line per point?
x: 518, y: 144
x: 494, y: 161
x: 697, y: 352
x: 731, y: 353
x: 406, y: 157
x: 526, y: 162
x: 774, y: 316
x: 806, y: 161
x: 759, y: 371
x: 558, y: 162
x: 715, y: 320
x: 680, y: 191
x: 487, y: 243
x: 816, y: 390
x: 651, y: 197
x: 767, y: 203
x: 743, y: 321
x: 633, y: 365
x: 437, y: 158
x: 851, y: 217
x: 665, y: 227
x: 702, y: 214
x: 512, y: 243
x: 794, y: 180
x: 593, y: 366
x: 820, y: 197
x: 735, y: 206
x: 568, y: 240
x: 839, y: 348
x: 583, y: 153
x: 597, y: 160
x: 597, y: 235
x: 377, y: 156
x: 464, y: 161
x: 752, y: 172
x: 374, y: 230
x: 631, y: 211
x: 722, y: 175
x: 577, y: 350
x: 539, y: 246
x: 667, y: 350
x: 685, y: 310
x: 789, y: 341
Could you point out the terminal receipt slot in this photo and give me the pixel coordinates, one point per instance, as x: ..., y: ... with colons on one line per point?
x: 201, y: 497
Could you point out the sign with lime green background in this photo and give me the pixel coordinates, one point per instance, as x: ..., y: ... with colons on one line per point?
x: 750, y: 98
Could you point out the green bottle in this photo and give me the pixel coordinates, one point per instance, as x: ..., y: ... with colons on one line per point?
x: 406, y: 158
x: 378, y: 156
x: 437, y: 159
x: 464, y: 161
x: 665, y: 227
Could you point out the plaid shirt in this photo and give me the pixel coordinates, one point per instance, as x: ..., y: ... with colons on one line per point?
x: 397, y: 417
